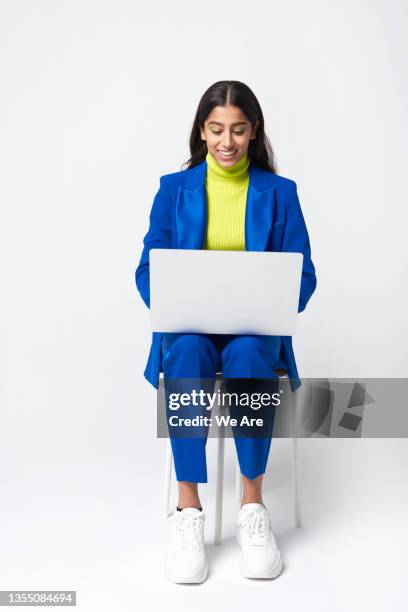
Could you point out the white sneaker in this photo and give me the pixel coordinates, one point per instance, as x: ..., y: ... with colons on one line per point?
x: 260, y: 556
x: 185, y: 558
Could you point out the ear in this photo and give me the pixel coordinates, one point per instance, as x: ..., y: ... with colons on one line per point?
x: 202, y: 134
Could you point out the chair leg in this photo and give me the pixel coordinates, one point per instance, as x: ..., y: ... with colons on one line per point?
x: 167, y: 479
x: 238, y: 484
x: 220, y: 484
x: 295, y: 462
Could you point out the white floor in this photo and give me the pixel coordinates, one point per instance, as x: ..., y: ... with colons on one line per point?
x: 88, y: 527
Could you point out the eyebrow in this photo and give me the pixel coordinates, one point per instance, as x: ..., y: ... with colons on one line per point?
x: 238, y: 123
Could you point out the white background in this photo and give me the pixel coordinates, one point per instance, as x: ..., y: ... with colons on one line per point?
x: 97, y: 102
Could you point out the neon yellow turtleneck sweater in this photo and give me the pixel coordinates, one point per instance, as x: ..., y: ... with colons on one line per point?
x: 226, y: 203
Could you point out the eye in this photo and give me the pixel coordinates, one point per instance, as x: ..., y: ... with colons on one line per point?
x: 239, y: 132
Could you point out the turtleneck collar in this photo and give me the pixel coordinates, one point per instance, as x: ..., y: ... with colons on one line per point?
x: 237, y: 172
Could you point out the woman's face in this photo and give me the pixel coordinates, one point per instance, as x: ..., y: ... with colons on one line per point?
x: 227, y: 132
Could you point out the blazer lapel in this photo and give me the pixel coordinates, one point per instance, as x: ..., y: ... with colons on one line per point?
x: 191, y: 209
x: 260, y: 210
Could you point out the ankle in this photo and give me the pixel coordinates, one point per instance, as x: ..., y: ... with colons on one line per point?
x: 197, y: 507
x: 251, y: 500
x: 189, y: 504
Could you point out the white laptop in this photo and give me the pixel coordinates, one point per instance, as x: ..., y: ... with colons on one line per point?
x: 224, y: 292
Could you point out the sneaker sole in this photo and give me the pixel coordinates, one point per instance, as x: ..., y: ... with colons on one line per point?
x: 195, y: 579
x: 270, y: 572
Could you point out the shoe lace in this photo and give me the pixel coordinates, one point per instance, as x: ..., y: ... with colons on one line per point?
x: 189, y: 531
x: 255, y: 524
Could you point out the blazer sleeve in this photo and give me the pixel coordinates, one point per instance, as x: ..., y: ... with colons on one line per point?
x: 158, y: 236
x: 296, y: 240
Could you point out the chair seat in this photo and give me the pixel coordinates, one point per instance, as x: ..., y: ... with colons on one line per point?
x: 278, y: 371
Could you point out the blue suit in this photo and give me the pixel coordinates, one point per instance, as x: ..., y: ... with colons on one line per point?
x: 273, y: 222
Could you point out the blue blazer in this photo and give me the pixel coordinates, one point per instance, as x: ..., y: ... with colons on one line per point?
x: 273, y: 222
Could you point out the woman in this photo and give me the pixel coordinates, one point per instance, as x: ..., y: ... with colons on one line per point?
x: 228, y: 198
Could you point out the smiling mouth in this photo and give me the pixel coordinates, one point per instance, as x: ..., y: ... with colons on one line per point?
x: 227, y: 153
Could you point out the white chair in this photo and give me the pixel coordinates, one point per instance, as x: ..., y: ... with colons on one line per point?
x: 238, y: 479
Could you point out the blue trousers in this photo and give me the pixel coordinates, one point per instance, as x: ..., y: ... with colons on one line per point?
x: 200, y: 356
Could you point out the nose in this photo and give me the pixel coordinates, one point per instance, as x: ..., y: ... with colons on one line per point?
x: 228, y: 141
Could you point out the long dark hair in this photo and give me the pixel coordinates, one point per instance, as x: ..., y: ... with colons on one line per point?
x: 237, y: 94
